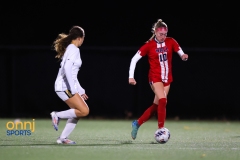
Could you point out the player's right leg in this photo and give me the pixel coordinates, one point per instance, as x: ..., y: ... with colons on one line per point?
x: 148, y: 113
x: 135, y: 127
x: 56, y: 116
x: 55, y: 120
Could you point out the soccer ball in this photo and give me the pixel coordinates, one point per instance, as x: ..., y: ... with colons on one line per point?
x: 162, y: 135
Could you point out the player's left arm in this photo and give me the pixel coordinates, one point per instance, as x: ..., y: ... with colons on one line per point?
x: 178, y: 49
x: 81, y: 91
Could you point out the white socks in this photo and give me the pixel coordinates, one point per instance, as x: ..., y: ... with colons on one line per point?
x: 71, y: 123
x: 68, y: 114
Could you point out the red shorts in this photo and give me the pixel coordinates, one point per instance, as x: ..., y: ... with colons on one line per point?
x: 154, y: 80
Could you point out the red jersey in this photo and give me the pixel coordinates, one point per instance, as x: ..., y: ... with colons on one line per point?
x: 160, y: 59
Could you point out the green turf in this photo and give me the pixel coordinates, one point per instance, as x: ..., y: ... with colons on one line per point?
x: 111, y: 140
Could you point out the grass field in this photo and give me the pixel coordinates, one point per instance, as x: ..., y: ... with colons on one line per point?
x: 111, y: 140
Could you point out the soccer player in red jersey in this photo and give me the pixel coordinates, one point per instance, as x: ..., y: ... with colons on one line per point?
x: 159, y: 49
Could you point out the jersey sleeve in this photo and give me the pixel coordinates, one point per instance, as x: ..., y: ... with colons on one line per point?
x: 80, y: 89
x: 70, y: 59
x: 133, y: 63
x: 140, y: 53
x: 143, y: 51
x: 176, y: 46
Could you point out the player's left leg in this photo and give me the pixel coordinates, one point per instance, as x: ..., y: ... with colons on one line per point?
x: 65, y: 141
x: 69, y: 127
x: 158, y: 89
x: 166, y: 88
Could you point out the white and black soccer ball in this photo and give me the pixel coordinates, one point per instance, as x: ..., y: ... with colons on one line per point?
x: 162, y: 135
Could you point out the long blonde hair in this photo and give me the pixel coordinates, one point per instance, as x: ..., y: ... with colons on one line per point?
x: 63, y: 40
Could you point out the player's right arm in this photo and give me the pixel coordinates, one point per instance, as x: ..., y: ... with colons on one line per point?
x: 140, y: 53
x: 132, y: 67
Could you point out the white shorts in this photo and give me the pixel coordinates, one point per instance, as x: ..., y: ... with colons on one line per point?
x: 64, y: 95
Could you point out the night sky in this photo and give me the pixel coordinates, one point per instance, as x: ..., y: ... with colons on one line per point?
x: 112, y: 23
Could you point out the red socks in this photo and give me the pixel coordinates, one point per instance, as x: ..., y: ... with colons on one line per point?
x: 148, y: 114
x: 160, y: 109
x: 161, y: 112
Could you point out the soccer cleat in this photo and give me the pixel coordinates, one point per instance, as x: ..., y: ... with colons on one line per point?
x: 55, y: 120
x: 65, y: 141
x: 135, y: 127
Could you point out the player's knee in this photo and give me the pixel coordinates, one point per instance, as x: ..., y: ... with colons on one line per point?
x: 162, y: 101
x: 85, y: 112
x: 82, y: 113
x: 155, y: 102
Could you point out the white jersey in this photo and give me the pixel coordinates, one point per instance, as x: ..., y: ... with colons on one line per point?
x: 67, y: 74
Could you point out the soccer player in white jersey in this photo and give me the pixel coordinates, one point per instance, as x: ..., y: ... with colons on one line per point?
x: 67, y: 86
x: 159, y: 49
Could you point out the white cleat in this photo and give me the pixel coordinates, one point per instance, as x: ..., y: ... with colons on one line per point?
x: 55, y: 120
x: 65, y: 141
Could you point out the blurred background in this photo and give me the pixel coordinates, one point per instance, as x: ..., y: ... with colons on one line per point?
x: 204, y: 87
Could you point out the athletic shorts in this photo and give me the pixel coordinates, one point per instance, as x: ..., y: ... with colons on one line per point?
x: 151, y: 81
x: 64, y: 95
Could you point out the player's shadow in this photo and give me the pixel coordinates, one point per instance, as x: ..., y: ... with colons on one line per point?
x: 60, y: 145
x: 67, y: 145
x: 5, y: 145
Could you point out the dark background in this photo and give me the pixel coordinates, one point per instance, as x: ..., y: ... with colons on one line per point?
x: 204, y: 87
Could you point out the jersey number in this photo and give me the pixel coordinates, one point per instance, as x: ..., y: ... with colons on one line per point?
x: 163, y: 56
